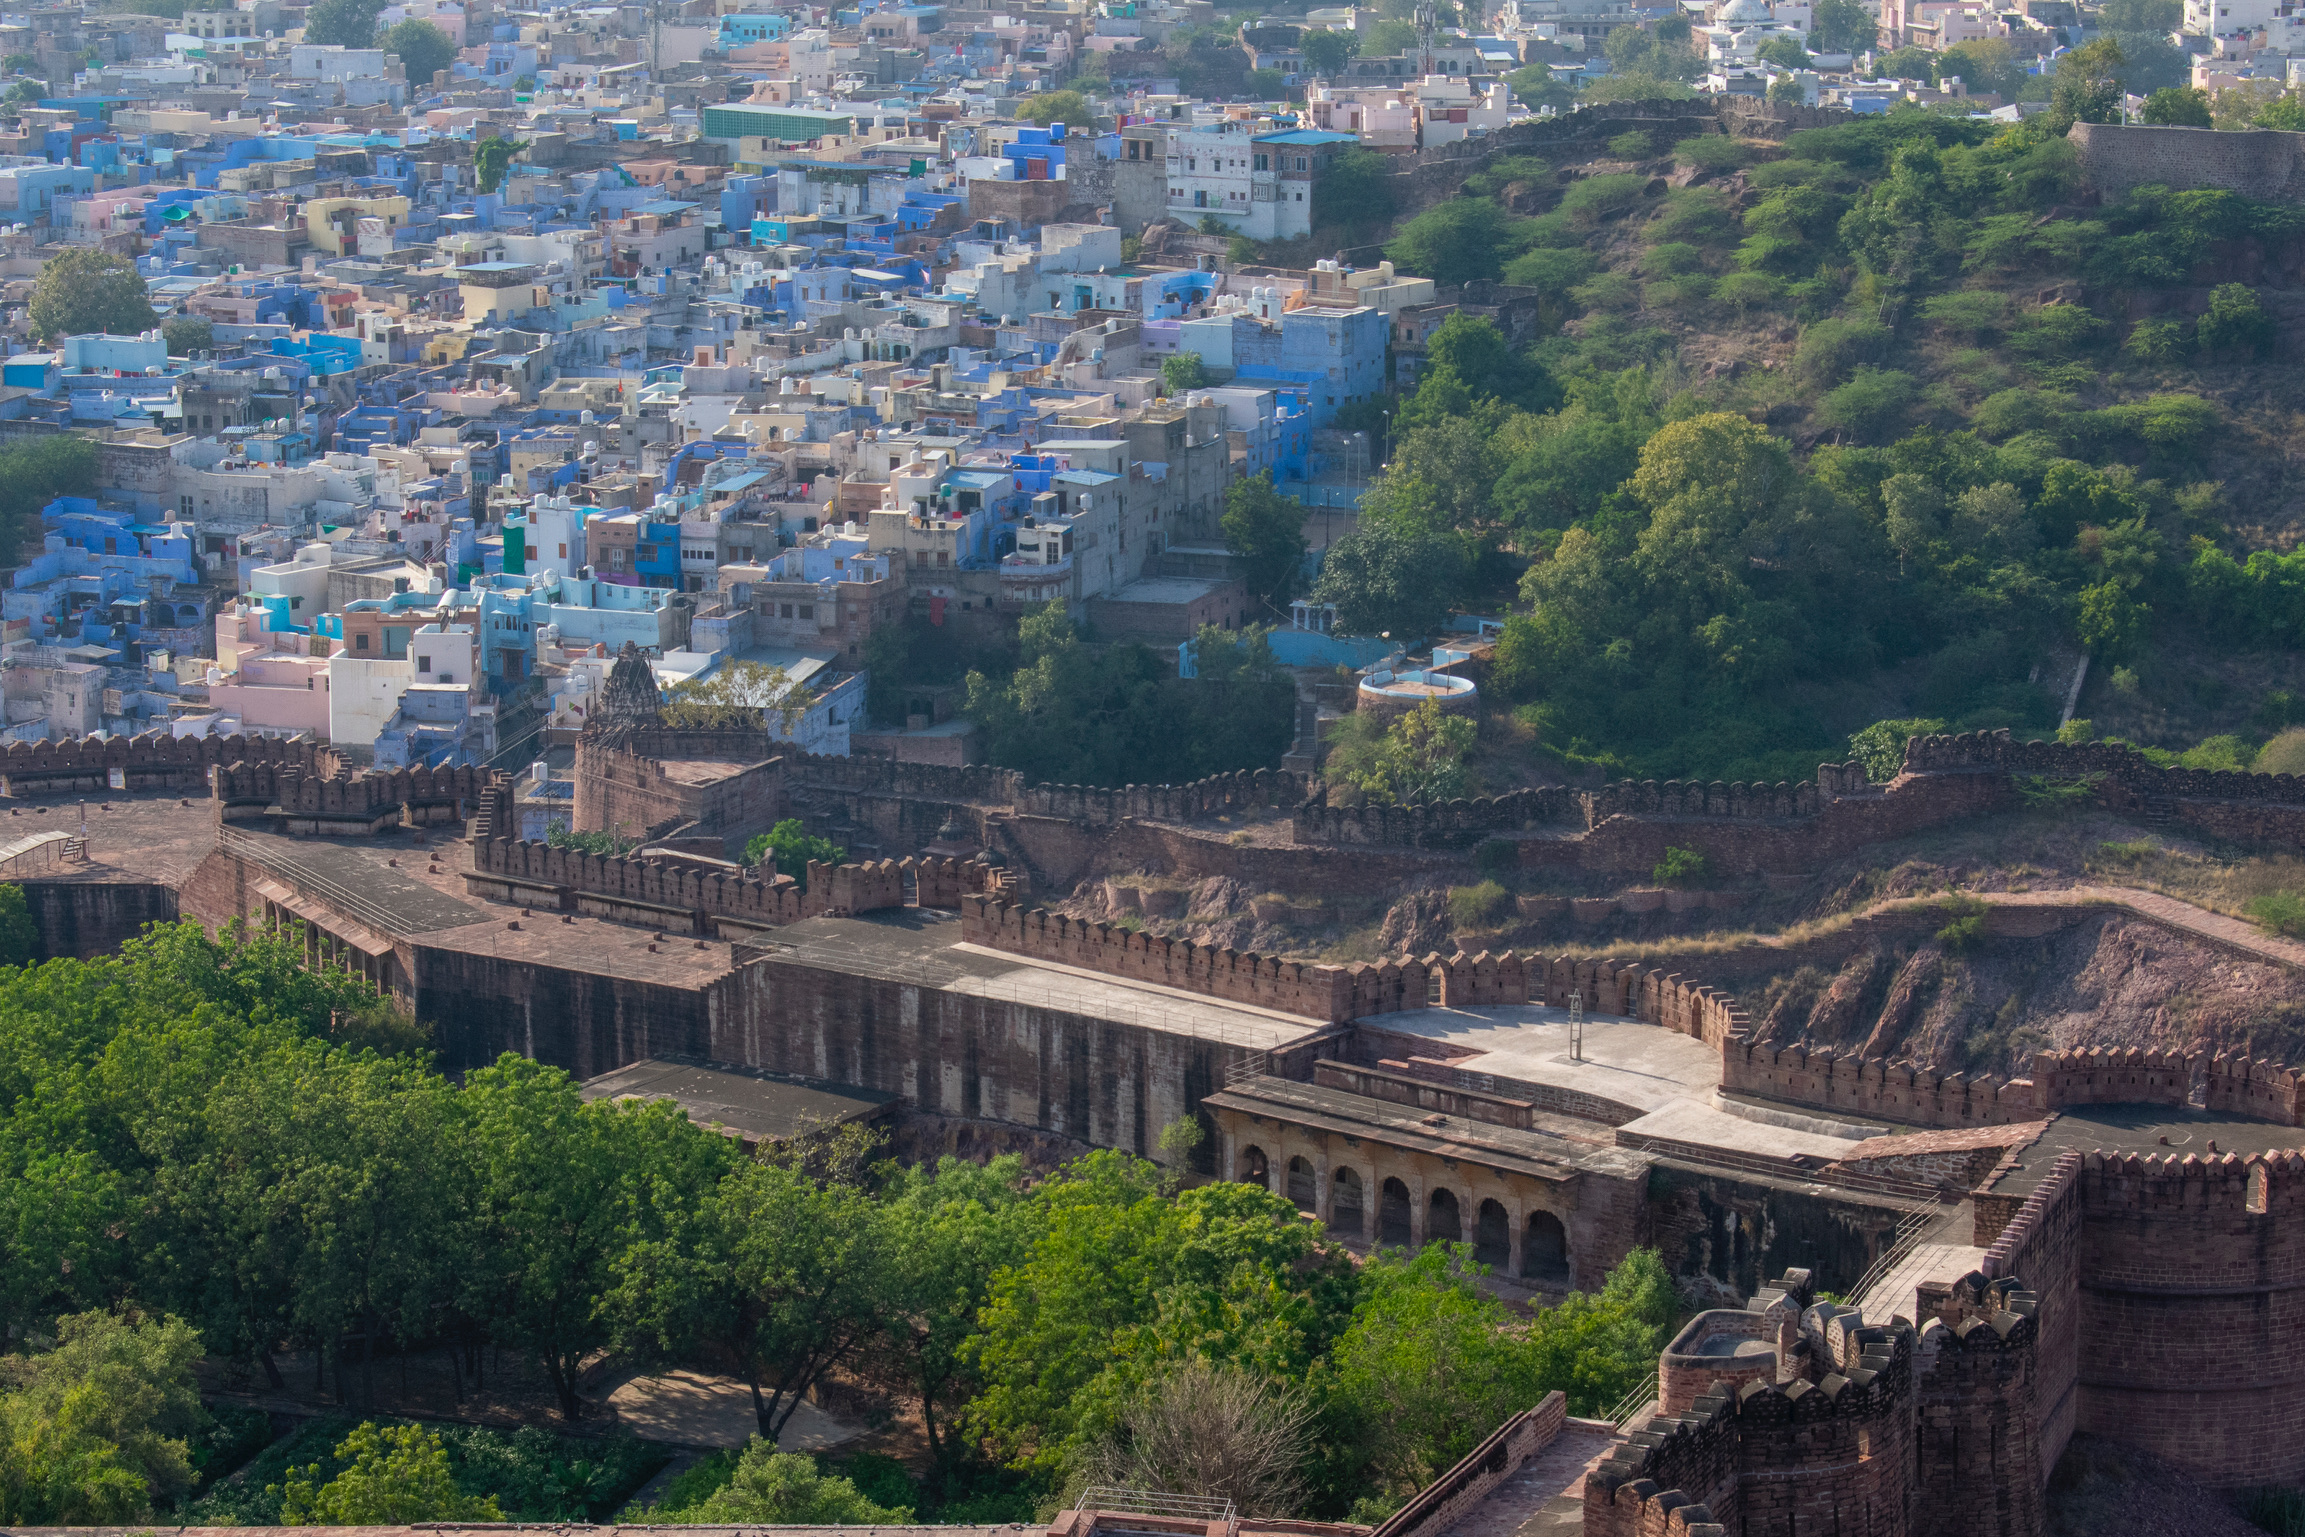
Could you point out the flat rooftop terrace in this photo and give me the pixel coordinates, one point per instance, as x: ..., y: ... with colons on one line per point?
x: 923, y: 946
x: 1666, y: 1082
x: 758, y: 1106
x: 2162, y: 1131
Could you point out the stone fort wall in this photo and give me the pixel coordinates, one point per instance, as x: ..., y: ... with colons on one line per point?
x: 2257, y: 162
x: 2192, y: 1288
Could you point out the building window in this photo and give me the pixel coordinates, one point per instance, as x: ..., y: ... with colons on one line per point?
x: 424, y: 664
x: 360, y: 643
x: 808, y: 611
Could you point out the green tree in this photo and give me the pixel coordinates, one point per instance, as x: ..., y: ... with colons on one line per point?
x: 19, y: 935
x: 1389, y: 39
x: 773, y: 1488
x: 1418, y: 758
x: 563, y: 1190
x: 1356, y: 191
x: 1266, y: 530
x: 2111, y: 620
x: 424, y: 49
x: 1785, y: 52
x: 81, y: 291
x: 1431, y: 1363
x: 96, y: 1433
x: 491, y: 158
x: 342, y: 23
x: 2141, y: 15
x: 185, y: 335
x: 1077, y: 714
x: 1881, y: 746
x: 1067, y: 107
x: 1596, y: 1347
x: 1460, y: 241
x: 1182, y: 372
x: 1842, y: 26
x: 1537, y: 86
x: 1327, y: 52
x: 787, y: 1274
x: 963, y: 1224
x: 738, y: 694
x: 2236, y: 321
x: 1121, y: 1277
x: 399, y: 1475
x: 2088, y: 85
x: 1387, y: 579
x: 792, y: 848
x: 2175, y: 106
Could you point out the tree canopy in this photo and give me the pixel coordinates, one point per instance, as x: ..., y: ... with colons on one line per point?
x: 424, y: 49
x: 82, y: 291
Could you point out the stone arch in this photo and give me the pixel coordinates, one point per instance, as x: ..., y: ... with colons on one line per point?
x: 1545, y: 1253
x: 1348, y: 1204
x: 1301, y: 1183
x: 1393, y: 1214
x: 1256, y: 1168
x: 1444, y: 1218
x: 1493, y: 1237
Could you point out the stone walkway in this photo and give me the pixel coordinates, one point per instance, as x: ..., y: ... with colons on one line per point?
x: 2234, y: 935
x: 1546, y: 1498
x: 1943, y: 1254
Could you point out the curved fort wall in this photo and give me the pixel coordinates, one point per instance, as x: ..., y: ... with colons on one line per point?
x: 2192, y: 1298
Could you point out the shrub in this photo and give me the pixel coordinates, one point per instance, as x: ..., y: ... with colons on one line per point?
x: 1712, y: 152
x: 2276, y: 1510
x: 1964, y: 929
x: 1672, y: 258
x: 2236, y: 321
x: 1595, y: 198
x: 2045, y: 792
x: 1680, y: 867
x: 790, y: 845
x: 1881, y: 746
x: 1495, y: 856
x: 1607, y: 291
x: 2285, y: 754
x: 1636, y: 145
x: 2155, y: 341
x: 1870, y: 404
x: 1470, y: 907
x: 1831, y: 349
x: 2059, y: 331
x: 2279, y: 912
x: 1973, y: 311
x: 1745, y: 290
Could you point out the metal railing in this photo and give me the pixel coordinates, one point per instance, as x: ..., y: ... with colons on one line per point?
x: 1255, y: 1065
x: 1910, y: 1230
x: 1636, y: 1403
x: 302, y: 878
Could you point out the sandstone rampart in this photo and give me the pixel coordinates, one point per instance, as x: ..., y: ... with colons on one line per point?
x: 2261, y: 163
x: 2193, y: 1278
x: 1898, y: 1091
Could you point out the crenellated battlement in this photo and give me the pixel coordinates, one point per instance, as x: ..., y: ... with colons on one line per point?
x: 692, y: 896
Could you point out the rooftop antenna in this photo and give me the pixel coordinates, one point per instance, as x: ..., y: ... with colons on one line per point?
x: 1426, y: 21
x: 1577, y: 1024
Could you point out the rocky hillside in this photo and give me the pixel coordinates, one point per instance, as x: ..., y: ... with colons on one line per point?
x: 2109, y: 981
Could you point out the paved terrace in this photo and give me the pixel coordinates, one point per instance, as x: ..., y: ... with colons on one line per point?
x: 922, y: 946
x: 1665, y: 1081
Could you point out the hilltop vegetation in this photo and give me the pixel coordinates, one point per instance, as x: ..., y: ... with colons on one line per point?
x: 1886, y: 421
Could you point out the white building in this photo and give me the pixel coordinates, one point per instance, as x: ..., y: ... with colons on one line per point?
x: 1255, y: 181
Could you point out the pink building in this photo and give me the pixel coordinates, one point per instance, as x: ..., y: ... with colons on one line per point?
x: 274, y: 692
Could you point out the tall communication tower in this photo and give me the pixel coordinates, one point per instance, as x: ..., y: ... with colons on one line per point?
x: 1426, y: 20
